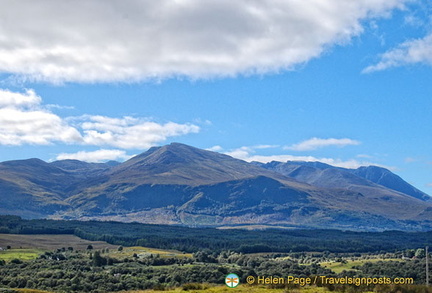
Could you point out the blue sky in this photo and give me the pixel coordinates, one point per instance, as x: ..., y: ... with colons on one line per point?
x: 342, y: 82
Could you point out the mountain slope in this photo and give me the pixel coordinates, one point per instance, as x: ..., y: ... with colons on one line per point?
x: 32, y: 188
x: 369, y: 180
x: 370, y: 196
x: 81, y: 167
x: 390, y: 180
x: 182, y: 164
x: 180, y: 184
x: 166, y: 176
x: 185, y: 185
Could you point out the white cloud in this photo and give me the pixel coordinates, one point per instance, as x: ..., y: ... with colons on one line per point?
x: 34, y: 127
x: 129, y: 132
x: 248, y: 154
x: 55, y: 106
x: 106, y: 40
x: 316, y: 143
x: 364, y: 156
x: 243, y: 153
x: 11, y: 99
x: 265, y: 146
x: 429, y: 185
x: 216, y: 148
x: 410, y: 160
x: 410, y: 52
x: 95, y: 156
x: 24, y: 120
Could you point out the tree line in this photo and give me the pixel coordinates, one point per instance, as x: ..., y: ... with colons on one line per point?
x: 195, y: 239
x: 94, y: 271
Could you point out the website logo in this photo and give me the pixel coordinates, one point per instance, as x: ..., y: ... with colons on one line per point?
x: 232, y: 280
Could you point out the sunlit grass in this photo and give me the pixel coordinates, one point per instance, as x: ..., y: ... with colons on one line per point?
x: 338, y: 267
x: 22, y: 254
x: 140, y: 251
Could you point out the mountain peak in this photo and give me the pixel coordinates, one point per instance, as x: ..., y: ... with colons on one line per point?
x: 180, y: 184
x: 174, y: 153
x: 178, y: 163
x: 388, y: 179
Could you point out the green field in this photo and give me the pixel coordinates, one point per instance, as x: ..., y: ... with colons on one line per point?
x: 338, y: 267
x: 22, y: 254
x: 140, y: 251
x: 25, y: 247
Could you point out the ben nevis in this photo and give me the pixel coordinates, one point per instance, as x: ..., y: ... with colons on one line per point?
x: 183, y: 185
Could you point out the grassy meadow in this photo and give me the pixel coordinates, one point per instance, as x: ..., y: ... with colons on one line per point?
x: 18, y: 253
x: 140, y: 251
x: 348, y: 265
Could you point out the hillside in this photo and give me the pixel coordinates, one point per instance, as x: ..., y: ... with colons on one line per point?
x: 180, y: 184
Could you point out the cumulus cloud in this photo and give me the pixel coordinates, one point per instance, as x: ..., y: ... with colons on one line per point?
x: 106, y: 40
x: 410, y: 52
x: 12, y: 100
x: 247, y: 154
x: 242, y: 153
x: 265, y: 146
x: 25, y: 120
x: 130, y: 132
x: 316, y: 143
x: 95, y: 156
x: 216, y: 148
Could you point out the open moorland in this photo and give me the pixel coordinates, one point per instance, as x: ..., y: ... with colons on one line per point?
x: 50, y: 242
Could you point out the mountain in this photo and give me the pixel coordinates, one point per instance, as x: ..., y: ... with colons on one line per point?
x: 180, y: 184
x: 368, y: 180
x: 185, y: 165
x: 390, y: 180
x: 83, y: 169
x: 32, y: 188
x: 164, y: 180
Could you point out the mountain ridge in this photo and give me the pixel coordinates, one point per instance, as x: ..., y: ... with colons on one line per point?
x: 374, y: 176
x: 180, y: 184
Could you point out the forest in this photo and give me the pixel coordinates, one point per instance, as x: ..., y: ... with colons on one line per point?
x: 194, y: 239
x: 68, y: 270
x: 159, y: 257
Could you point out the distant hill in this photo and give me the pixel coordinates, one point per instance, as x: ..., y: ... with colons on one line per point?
x: 367, y: 179
x: 390, y: 180
x: 180, y: 184
x: 33, y: 188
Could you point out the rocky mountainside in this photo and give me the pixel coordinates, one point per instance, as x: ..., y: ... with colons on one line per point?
x: 368, y: 180
x: 180, y: 184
